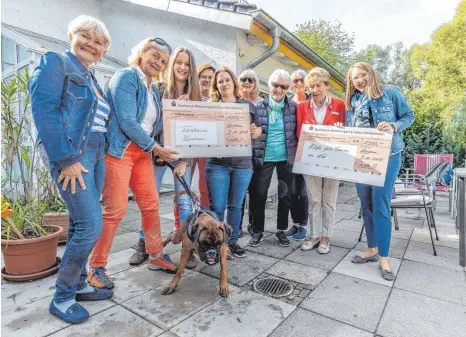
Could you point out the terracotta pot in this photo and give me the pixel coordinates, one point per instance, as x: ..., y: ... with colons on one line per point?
x: 31, y: 255
x: 57, y: 219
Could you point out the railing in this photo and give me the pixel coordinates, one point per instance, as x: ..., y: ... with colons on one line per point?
x: 461, y: 215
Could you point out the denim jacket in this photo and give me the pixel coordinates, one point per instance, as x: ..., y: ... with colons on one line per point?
x: 127, y: 98
x: 392, y: 107
x: 63, y: 105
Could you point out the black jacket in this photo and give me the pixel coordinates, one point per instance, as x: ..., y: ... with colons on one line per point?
x: 289, y: 118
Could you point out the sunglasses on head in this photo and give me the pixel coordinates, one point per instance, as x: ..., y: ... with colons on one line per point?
x: 247, y: 79
x: 161, y: 42
x: 281, y: 86
x: 297, y: 80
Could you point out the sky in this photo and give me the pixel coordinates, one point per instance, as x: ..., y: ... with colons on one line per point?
x: 379, y: 22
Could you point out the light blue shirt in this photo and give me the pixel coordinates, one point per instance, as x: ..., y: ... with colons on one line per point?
x: 275, y: 149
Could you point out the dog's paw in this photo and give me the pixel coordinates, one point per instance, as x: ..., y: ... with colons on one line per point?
x: 168, y: 291
x: 230, y: 257
x: 224, y: 291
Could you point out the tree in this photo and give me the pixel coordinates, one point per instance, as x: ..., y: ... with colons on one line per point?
x: 329, y: 40
x: 440, y: 64
x: 378, y: 57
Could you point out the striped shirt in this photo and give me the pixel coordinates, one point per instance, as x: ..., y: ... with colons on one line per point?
x: 101, y: 116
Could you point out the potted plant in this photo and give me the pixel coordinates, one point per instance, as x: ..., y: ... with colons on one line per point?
x: 29, y: 249
x: 55, y: 208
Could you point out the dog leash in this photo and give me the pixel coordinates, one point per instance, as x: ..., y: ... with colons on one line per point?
x: 197, y: 208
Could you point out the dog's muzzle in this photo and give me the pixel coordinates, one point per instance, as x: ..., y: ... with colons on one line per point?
x: 210, y: 255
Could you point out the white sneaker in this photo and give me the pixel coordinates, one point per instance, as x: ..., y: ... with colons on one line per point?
x: 324, y: 248
x: 310, y: 245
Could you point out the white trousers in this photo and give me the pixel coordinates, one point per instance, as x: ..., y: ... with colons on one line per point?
x: 322, y: 194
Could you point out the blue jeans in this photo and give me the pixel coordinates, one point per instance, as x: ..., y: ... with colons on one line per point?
x: 375, y: 204
x: 184, y: 202
x: 227, y: 188
x: 85, y: 215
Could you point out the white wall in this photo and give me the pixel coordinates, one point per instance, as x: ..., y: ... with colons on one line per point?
x: 128, y: 24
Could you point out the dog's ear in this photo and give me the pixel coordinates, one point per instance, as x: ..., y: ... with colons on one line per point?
x: 195, y: 228
x: 228, y: 231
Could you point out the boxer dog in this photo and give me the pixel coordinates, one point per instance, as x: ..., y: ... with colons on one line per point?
x: 209, y: 240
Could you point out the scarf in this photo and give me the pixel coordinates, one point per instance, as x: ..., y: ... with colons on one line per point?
x: 361, y: 110
x: 276, y: 109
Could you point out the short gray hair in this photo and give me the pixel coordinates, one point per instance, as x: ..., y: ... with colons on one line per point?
x: 299, y: 74
x: 279, y: 73
x: 86, y: 23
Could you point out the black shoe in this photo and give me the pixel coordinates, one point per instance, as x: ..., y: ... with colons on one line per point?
x: 256, y: 239
x: 282, y: 239
x: 139, y: 256
x: 236, y: 250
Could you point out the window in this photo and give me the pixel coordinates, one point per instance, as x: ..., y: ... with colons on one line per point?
x: 8, y: 53
x: 22, y: 53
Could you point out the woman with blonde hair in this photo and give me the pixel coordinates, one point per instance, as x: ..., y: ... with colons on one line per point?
x: 228, y: 178
x: 135, y: 116
x: 249, y: 89
x: 369, y: 105
x: 299, y: 200
x: 71, y: 113
x: 182, y: 84
x: 320, y: 109
x: 249, y: 86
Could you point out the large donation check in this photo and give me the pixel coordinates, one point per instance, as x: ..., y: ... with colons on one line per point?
x: 204, y: 129
x: 353, y: 154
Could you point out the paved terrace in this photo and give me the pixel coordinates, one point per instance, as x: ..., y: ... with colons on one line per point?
x: 332, y: 297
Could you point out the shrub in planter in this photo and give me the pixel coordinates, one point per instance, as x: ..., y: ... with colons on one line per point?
x: 29, y: 249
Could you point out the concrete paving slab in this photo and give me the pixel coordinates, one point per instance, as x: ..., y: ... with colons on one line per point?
x: 314, y: 259
x: 244, y: 313
x: 302, y: 322
x: 347, y: 207
x: 365, y: 271
x: 347, y: 214
x: 123, y: 230
x: 124, y: 241
x: 34, y: 319
x: 241, y: 271
x: 297, y: 272
x: 397, y: 247
x: 409, y: 315
x: 19, y: 293
x: 119, y: 261
x: 115, y: 322
x: 433, y: 281
x: 347, y: 300
x: 135, y: 281
x: 195, y: 292
x: 131, y: 218
x: 423, y: 252
x: 445, y: 239
x: 344, y: 238
x: 271, y: 247
x: 349, y: 225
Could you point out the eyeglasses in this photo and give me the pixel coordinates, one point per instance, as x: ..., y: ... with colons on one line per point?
x: 297, y: 80
x: 247, y: 79
x: 281, y: 86
x: 162, y: 42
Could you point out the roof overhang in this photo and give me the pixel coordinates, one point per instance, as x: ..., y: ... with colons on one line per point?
x: 293, y: 48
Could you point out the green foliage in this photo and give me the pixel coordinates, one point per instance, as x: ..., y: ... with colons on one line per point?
x: 440, y: 64
x: 27, y: 216
x: 329, y: 40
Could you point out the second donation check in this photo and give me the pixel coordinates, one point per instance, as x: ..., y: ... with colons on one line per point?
x: 204, y: 129
x: 353, y: 154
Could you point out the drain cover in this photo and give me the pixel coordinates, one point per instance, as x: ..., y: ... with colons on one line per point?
x: 273, y: 287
